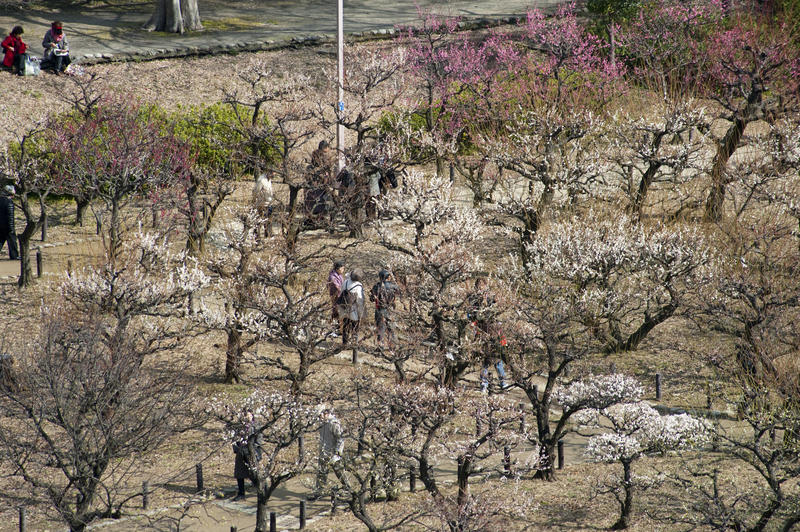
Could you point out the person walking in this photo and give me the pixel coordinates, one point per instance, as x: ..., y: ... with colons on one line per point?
x: 331, y: 445
x: 56, y: 49
x: 335, y: 281
x: 7, y: 230
x: 245, y: 461
x: 481, y: 314
x: 383, y: 294
x: 263, y: 196
x: 351, y: 306
x: 14, y: 50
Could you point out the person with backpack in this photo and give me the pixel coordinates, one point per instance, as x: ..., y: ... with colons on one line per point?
x: 383, y: 294
x: 14, y: 50
x: 351, y: 306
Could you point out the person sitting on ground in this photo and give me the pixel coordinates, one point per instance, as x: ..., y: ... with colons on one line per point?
x: 14, y: 50
x: 56, y: 49
x: 383, y: 294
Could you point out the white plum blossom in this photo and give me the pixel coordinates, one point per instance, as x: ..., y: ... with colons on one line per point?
x: 598, y: 391
x: 610, y: 447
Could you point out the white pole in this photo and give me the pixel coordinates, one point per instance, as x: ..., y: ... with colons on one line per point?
x: 340, y: 82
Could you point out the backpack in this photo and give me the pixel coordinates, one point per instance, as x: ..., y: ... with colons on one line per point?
x: 347, y: 298
x: 383, y: 294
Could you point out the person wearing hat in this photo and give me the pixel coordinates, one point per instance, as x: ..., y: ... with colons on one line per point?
x: 14, y: 50
x: 56, y: 49
x: 383, y: 294
x: 7, y: 233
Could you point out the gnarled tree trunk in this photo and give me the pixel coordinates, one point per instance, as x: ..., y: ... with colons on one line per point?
x: 175, y: 16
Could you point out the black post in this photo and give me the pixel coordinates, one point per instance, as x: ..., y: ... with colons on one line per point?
x: 302, y: 514
x: 478, y: 424
x: 23, y: 521
x: 145, y: 494
x: 452, y: 173
x: 44, y: 228
x: 355, y: 356
x: 234, y: 529
x: 69, y: 267
x: 333, y: 502
x: 560, y: 454
x: 198, y: 469
x: 658, y: 386
x: 521, y: 417
x: 38, y: 263
x: 301, y: 448
x: 536, y: 392
x: 99, y: 224
x: 412, y: 479
x: 155, y: 217
x: 273, y: 522
x: 507, y: 459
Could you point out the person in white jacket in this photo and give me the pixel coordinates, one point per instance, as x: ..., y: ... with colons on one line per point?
x: 262, y: 201
x: 351, y: 306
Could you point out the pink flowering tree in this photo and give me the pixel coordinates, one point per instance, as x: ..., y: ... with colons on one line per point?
x: 755, y: 68
x: 117, y: 154
x: 266, y: 427
x: 636, y: 430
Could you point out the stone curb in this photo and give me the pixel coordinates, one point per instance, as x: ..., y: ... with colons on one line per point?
x: 271, y: 45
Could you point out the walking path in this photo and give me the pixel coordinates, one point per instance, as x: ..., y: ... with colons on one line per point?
x: 114, y: 34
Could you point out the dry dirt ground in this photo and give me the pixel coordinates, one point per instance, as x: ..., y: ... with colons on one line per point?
x: 565, y: 504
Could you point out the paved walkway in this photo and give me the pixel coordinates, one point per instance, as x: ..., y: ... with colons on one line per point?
x: 107, y: 34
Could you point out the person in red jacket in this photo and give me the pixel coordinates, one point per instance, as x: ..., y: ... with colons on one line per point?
x: 13, y: 48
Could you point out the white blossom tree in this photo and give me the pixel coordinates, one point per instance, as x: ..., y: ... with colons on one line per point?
x: 636, y: 430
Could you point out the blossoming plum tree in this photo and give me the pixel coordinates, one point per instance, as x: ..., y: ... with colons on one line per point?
x: 636, y: 430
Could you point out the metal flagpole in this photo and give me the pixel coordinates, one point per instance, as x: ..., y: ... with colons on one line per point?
x: 340, y: 82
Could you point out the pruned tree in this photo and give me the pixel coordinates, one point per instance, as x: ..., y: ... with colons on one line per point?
x: 265, y: 296
x: 93, y: 393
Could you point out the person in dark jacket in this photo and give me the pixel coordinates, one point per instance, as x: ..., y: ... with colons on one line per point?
x: 383, y: 294
x: 14, y: 50
x: 7, y: 231
x: 246, y: 462
x: 56, y: 49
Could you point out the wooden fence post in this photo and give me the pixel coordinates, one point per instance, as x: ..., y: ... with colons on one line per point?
x: 23, y: 521
x: 273, y: 522
x: 658, y: 386
x: 560, y: 454
x: 412, y: 479
x: 302, y: 514
x: 301, y: 448
x: 145, y: 495
x: 39, y: 262
x: 507, y: 459
x: 198, y: 470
